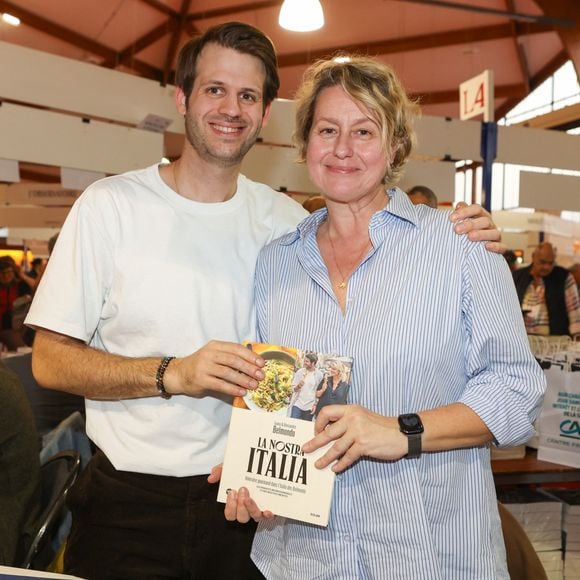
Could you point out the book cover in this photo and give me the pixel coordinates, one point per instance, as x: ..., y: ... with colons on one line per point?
x: 269, y: 426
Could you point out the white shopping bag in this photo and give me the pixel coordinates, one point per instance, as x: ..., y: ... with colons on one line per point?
x: 559, y: 440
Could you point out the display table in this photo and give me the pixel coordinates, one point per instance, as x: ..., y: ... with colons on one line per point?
x: 531, y: 470
x: 7, y: 572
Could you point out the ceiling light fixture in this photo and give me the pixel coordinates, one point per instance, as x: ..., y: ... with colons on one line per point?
x: 301, y: 15
x: 9, y: 19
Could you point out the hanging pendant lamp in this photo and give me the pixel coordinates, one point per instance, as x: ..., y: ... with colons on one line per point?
x: 301, y: 15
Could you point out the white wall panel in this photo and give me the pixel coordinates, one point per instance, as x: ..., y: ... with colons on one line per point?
x: 525, y: 222
x: 32, y: 76
x: 49, y: 138
x: 538, y: 147
x: 439, y: 137
x: 549, y: 191
x: 276, y: 167
x: 9, y: 170
x: 51, y: 81
x: 437, y: 175
x: 280, y: 125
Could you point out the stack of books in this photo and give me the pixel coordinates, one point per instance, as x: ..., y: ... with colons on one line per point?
x: 570, y: 499
x: 540, y: 515
x: 517, y: 452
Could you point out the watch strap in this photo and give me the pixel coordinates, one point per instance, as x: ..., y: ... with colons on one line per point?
x: 414, y: 440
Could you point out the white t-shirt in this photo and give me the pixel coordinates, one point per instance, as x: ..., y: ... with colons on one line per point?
x: 306, y: 395
x: 141, y: 271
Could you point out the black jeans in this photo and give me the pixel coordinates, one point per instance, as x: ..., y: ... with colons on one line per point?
x: 139, y: 527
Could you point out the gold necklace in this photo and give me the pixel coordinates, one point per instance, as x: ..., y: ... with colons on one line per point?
x: 342, y: 284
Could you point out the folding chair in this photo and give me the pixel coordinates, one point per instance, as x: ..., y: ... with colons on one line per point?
x: 57, y: 475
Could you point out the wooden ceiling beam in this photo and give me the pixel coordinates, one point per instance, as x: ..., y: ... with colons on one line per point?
x: 127, y: 55
x: 174, y: 41
x: 519, y: 49
x: 515, y: 16
x: 231, y: 10
x: 71, y: 37
x: 570, y: 37
x: 41, y: 24
x: 163, y: 8
x: 411, y: 43
x: 560, y: 119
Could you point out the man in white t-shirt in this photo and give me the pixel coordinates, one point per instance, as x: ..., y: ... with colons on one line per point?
x: 149, y: 265
x: 156, y: 264
x: 304, y: 384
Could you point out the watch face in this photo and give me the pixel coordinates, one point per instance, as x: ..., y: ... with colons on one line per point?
x: 410, y: 423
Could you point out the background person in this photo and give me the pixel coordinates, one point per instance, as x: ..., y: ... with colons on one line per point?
x: 512, y: 260
x: 313, y: 203
x: 548, y: 295
x: 421, y: 194
x: 435, y: 381
x: 12, y: 289
x: 19, y: 471
x: 36, y: 268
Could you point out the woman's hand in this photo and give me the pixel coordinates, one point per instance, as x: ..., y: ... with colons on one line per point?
x: 241, y: 507
x: 476, y: 222
x: 356, y: 432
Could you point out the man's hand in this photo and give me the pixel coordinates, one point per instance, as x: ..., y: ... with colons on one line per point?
x: 216, y: 474
x: 357, y: 432
x: 68, y: 364
x: 225, y: 368
x: 476, y: 222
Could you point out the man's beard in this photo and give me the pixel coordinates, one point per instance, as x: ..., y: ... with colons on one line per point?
x: 208, y: 153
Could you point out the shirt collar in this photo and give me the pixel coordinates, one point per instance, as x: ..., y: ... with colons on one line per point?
x: 399, y: 207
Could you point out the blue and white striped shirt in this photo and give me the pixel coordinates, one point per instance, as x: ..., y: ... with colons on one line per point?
x: 431, y: 319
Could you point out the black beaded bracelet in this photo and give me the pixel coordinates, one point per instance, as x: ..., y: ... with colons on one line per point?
x: 159, y: 377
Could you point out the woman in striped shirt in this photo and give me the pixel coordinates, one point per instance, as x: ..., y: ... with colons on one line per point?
x: 442, y: 367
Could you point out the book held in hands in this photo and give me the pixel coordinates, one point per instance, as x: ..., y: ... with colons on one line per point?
x: 270, y: 424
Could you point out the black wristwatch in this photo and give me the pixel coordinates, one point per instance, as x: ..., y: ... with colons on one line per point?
x: 411, y: 426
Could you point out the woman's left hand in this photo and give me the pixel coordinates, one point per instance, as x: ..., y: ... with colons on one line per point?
x: 239, y: 505
x: 476, y: 222
x: 356, y: 432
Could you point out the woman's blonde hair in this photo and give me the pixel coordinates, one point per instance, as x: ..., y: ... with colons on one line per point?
x: 339, y: 367
x: 376, y: 87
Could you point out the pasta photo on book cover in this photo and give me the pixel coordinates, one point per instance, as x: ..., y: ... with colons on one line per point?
x: 298, y: 383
